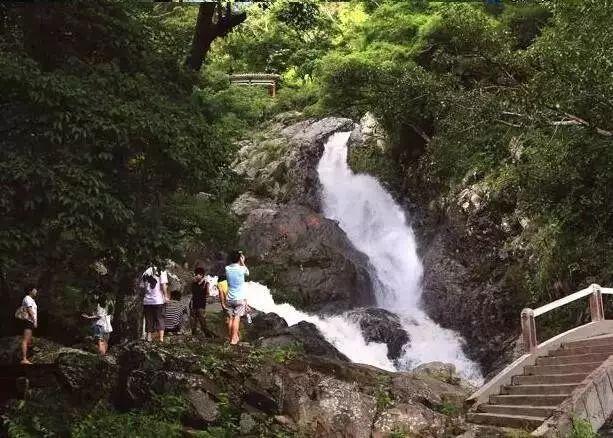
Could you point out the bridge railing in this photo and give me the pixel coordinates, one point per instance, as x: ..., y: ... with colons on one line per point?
x: 528, y: 316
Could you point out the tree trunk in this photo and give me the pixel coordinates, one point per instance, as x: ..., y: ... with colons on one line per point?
x: 207, y: 29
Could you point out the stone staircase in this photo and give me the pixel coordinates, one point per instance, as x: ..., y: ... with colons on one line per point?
x: 534, y: 395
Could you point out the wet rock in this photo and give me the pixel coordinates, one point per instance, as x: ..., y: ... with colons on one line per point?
x: 264, y: 325
x: 380, y: 325
x: 308, y: 336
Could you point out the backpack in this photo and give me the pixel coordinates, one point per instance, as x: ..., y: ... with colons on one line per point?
x: 22, y: 313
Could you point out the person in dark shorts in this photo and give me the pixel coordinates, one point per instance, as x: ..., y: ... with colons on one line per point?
x: 27, y: 317
x: 155, y: 283
x: 200, y: 292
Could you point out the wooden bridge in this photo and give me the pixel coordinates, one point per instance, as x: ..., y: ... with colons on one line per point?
x: 567, y: 377
x: 266, y: 79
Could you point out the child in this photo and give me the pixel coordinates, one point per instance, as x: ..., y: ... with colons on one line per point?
x: 101, y: 326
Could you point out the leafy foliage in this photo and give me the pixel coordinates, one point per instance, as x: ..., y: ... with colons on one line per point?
x: 515, y: 99
x: 102, y: 128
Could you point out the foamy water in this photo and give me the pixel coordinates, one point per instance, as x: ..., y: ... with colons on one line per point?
x: 376, y: 226
x: 339, y: 330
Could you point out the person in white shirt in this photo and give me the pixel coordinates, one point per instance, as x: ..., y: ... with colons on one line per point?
x: 29, y: 322
x: 155, y: 283
x: 100, y: 325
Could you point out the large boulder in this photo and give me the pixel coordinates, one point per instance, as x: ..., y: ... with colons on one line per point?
x: 264, y: 325
x: 325, y: 397
x: 380, y: 325
x: 306, y: 335
x: 89, y: 376
x: 306, y: 259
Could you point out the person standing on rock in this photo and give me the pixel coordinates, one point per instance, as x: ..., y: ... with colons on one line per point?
x: 237, y: 294
x: 200, y: 292
x: 27, y: 316
x: 101, y: 325
x: 155, y: 283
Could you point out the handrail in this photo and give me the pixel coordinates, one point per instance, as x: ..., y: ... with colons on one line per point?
x: 528, y: 325
x: 562, y: 301
x: 606, y: 290
x: 267, y: 79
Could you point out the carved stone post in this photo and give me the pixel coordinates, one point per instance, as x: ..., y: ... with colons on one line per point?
x: 528, y: 329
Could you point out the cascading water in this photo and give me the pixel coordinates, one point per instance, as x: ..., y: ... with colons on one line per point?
x: 376, y: 226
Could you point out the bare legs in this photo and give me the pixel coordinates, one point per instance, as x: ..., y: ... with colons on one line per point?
x: 102, y: 346
x: 27, y: 340
x: 233, y: 327
x: 156, y: 336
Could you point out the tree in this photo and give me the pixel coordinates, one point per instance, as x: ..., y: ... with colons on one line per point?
x: 213, y: 21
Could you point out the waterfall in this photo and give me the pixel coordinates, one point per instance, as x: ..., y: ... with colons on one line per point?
x: 376, y: 226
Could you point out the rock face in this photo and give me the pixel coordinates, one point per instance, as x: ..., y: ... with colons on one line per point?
x: 305, y: 258
x: 258, y: 392
x: 380, y: 325
x: 484, y: 313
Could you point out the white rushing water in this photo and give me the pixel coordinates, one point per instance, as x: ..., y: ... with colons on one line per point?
x: 339, y: 330
x: 376, y: 225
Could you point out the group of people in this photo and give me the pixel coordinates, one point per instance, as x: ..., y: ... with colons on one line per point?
x: 161, y: 312
x: 26, y: 316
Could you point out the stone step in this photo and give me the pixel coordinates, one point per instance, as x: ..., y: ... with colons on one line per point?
x: 549, y: 379
x: 528, y: 399
x: 594, y: 342
x: 530, y: 411
x: 516, y: 421
x: 540, y: 389
x: 577, y: 358
x: 561, y: 369
x: 571, y: 351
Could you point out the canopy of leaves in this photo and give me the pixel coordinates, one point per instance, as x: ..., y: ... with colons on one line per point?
x: 101, y: 127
